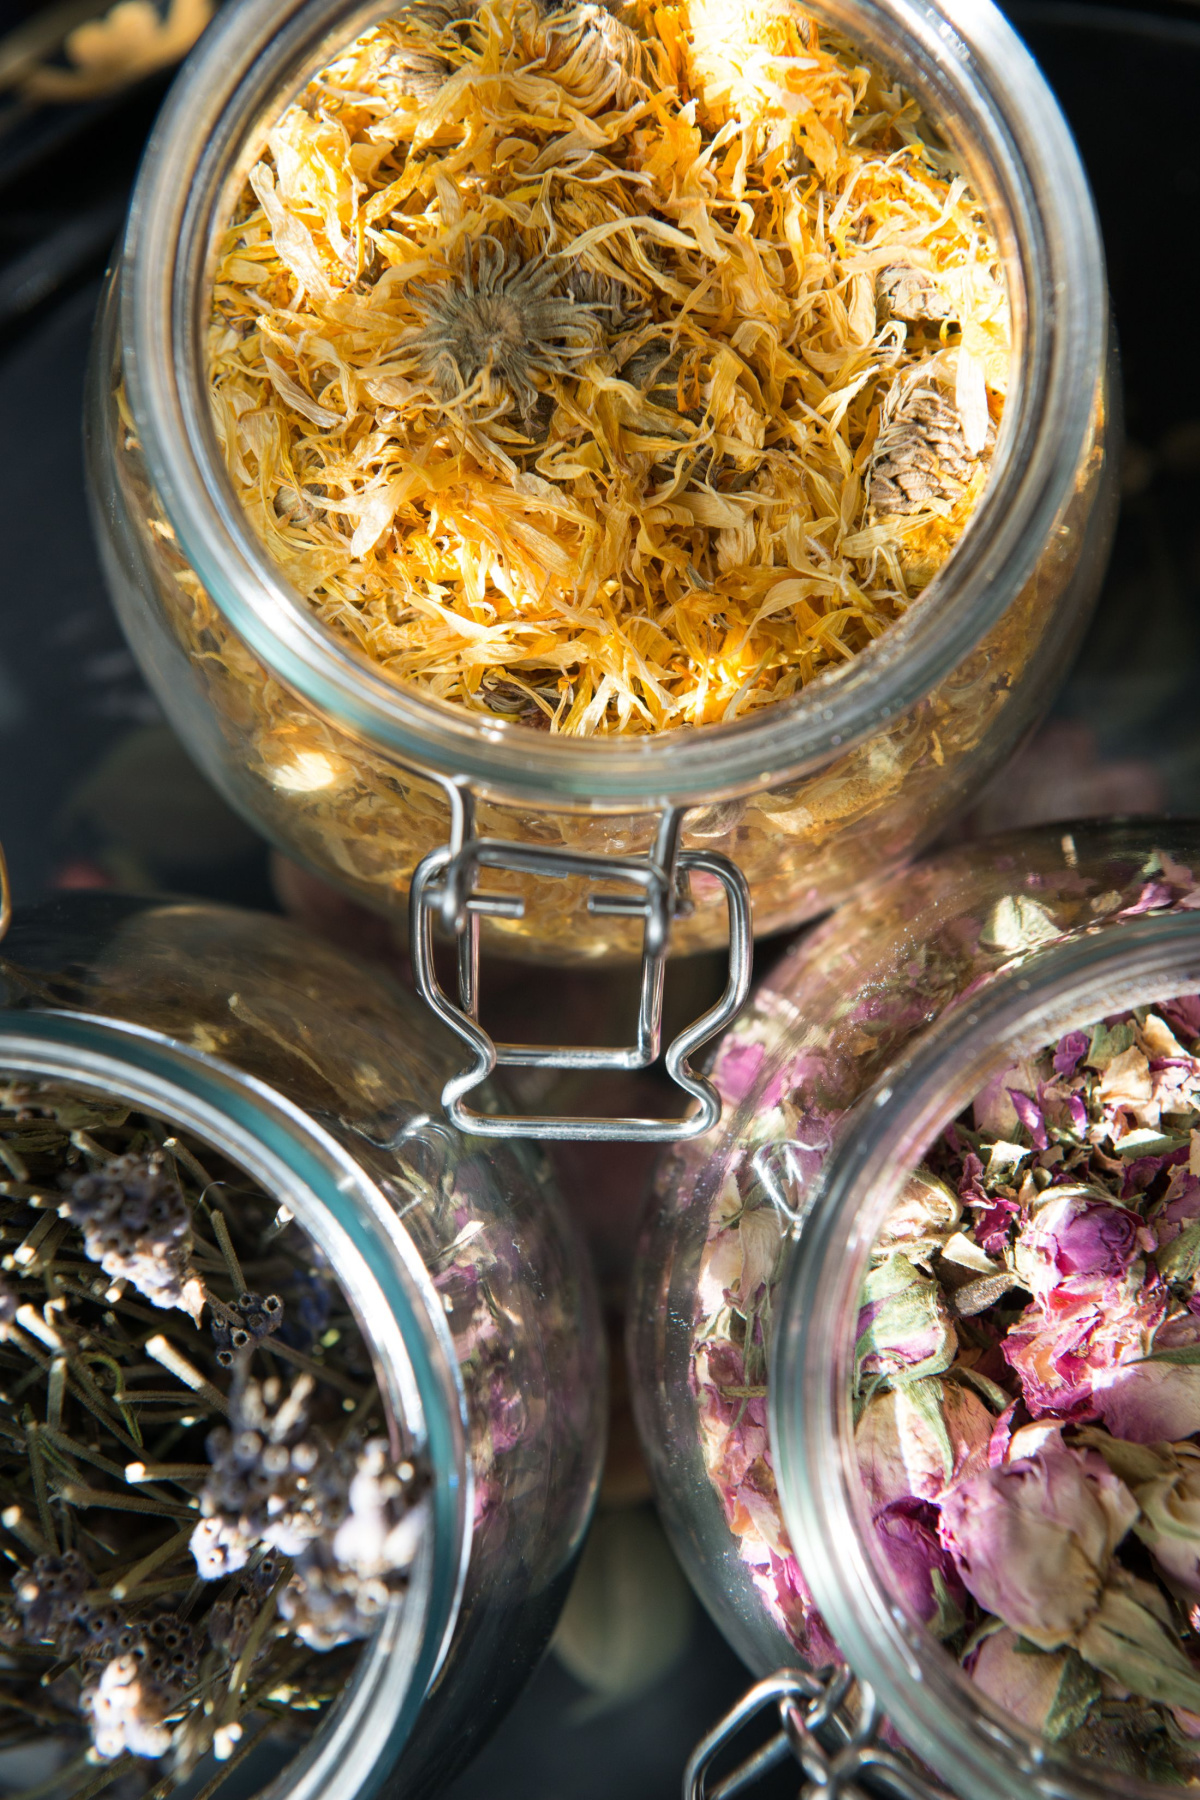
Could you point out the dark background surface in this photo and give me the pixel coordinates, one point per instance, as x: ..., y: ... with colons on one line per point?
x: 94, y: 790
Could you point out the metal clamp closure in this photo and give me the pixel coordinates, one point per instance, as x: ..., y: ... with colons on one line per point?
x: 444, y: 887
x: 835, y: 1741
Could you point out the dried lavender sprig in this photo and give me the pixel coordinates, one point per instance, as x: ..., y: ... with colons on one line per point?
x: 101, y: 1378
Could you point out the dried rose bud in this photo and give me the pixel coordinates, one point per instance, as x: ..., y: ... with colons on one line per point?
x: 1170, y: 1521
x: 1051, y: 1692
x: 922, y: 1220
x: 920, y: 1437
x: 1077, y: 1236
x: 1157, y: 1401
x: 1033, y: 1540
x: 904, y: 1327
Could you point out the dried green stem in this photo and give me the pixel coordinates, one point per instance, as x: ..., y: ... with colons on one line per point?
x: 177, y: 1364
x: 227, y: 1250
x: 37, y: 1467
x: 132, y: 1578
x: 78, y: 1495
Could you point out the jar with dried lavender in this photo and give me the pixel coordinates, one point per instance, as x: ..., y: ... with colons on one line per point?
x: 925, y: 1406
x: 300, y: 1392
x: 581, y: 412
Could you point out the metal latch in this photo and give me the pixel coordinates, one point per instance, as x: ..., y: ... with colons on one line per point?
x: 444, y: 887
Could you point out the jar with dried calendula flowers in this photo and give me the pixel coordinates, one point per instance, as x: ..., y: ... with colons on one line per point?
x: 599, y: 410
x: 300, y: 1392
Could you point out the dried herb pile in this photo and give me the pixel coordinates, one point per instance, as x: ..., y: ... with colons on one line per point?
x: 201, y: 1511
x: 1029, y: 1379
x: 608, y: 369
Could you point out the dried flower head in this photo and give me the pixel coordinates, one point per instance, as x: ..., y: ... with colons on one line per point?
x: 921, y: 459
x: 49, y: 1595
x: 130, y: 1701
x: 137, y: 1225
x: 497, y: 318
x: 271, y: 1481
x: 250, y: 1319
x: 597, y: 58
x: 135, y: 1680
x: 905, y: 292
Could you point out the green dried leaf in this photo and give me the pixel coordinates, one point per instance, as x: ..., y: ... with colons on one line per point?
x: 1179, y: 1260
x: 1078, y: 1692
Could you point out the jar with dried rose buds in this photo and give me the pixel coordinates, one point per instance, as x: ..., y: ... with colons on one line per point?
x: 914, y: 1334
x: 263, y: 603
x: 300, y: 1391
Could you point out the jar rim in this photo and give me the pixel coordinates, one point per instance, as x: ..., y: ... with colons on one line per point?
x: 964, y: 1737
x: 1022, y: 151
x: 301, y: 1164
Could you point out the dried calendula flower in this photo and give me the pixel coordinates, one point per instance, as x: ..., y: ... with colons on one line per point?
x: 606, y: 369
x: 922, y: 460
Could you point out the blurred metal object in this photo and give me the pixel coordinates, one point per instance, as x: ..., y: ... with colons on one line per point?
x: 813, y: 1711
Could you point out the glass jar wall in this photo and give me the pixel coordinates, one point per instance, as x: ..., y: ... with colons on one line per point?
x: 319, y: 1080
x: 349, y: 771
x: 747, y: 1313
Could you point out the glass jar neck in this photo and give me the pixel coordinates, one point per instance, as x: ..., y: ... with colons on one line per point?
x: 352, y: 1223
x: 981, y: 87
x: 933, y: 1706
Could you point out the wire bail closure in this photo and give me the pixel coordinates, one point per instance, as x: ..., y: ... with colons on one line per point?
x: 444, y: 888
x: 832, y: 1732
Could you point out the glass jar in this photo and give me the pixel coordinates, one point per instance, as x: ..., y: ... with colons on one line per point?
x: 863, y: 1046
x: 361, y: 778
x: 320, y: 1080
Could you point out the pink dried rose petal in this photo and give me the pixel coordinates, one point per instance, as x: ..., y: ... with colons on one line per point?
x: 924, y: 1573
x: 1063, y: 1348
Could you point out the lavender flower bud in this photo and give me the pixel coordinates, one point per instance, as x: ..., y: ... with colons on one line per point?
x: 137, y: 1689
x: 253, y: 1318
x: 49, y: 1596
x: 386, y: 1518
x: 137, y: 1225
x: 270, y: 1482
x: 10, y: 1300
x: 326, y: 1605
x: 126, y: 1711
